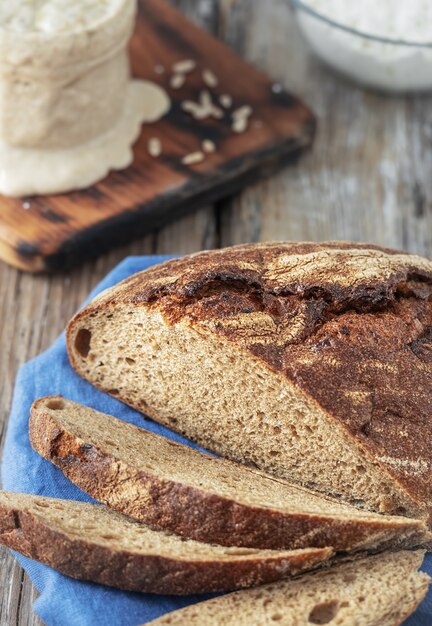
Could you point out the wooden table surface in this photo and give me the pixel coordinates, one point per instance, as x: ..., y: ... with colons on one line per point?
x: 368, y: 178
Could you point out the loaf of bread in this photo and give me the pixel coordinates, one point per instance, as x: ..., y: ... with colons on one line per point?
x: 174, y: 487
x: 89, y: 542
x: 310, y: 361
x: 379, y: 591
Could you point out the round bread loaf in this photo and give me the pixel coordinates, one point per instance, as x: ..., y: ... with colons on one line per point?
x: 311, y: 361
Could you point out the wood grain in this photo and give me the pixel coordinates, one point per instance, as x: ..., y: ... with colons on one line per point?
x: 367, y: 178
x: 62, y: 230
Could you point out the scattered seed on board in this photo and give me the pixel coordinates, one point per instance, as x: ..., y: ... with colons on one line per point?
x: 193, y: 158
x: 210, y: 79
x: 240, y: 125
x: 204, y: 108
x: 159, y: 69
x: 240, y: 118
x: 226, y: 100
x: 184, y: 67
x: 207, y: 102
x: 154, y: 147
x: 208, y: 146
x: 177, y: 81
x: 276, y: 88
x: 242, y: 112
x: 26, y: 205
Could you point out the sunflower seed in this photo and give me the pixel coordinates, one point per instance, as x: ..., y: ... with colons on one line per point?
x: 204, y: 108
x: 184, y: 67
x: 154, y: 147
x: 243, y: 112
x: 208, y: 146
x: 225, y: 100
x: 210, y: 79
x: 193, y: 158
x: 240, y: 118
x: 177, y: 81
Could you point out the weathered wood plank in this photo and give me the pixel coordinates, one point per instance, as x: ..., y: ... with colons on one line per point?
x: 192, y: 233
x: 368, y: 177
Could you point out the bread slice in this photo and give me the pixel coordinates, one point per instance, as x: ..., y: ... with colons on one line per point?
x: 89, y: 542
x: 377, y: 591
x: 171, y: 486
x: 310, y: 361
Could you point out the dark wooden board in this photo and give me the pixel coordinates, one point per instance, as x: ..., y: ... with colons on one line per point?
x: 55, y: 232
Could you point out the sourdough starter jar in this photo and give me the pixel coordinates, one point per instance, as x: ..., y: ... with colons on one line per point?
x: 64, y: 70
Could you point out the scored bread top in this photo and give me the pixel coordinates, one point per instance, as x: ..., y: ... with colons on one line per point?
x: 348, y: 324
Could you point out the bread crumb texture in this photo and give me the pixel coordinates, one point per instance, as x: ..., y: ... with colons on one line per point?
x: 379, y: 591
x: 175, y: 487
x: 311, y: 361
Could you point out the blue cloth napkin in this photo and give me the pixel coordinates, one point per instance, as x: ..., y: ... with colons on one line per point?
x: 64, y: 601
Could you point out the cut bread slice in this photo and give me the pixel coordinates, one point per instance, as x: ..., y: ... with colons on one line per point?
x: 309, y: 361
x: 174, y: 487
x: 89, y: 542
x: 381, y: 590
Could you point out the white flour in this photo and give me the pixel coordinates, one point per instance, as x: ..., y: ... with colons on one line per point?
x: 383, y: 65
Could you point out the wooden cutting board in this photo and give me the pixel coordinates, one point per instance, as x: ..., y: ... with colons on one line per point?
x: 54, y: 232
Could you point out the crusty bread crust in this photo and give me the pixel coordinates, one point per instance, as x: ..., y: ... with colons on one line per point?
x: 26, y: 529
x: 349, y: 325
x: 143, y: 492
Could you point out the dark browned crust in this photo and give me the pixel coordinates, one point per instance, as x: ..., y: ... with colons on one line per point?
x: 196, y: 514
x: 83, y: 559
x: 377, y: 328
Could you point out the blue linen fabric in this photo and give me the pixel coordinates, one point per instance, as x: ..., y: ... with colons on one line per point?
x: 64, y: 601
